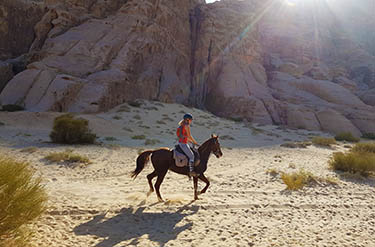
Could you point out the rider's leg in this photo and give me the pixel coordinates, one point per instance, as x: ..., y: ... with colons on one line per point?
x: 190, y: 154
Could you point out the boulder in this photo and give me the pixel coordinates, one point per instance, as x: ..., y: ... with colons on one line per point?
x: 334, y: 122
x: 368, y: 96
x: 6, y: 73
x: 346, y: 83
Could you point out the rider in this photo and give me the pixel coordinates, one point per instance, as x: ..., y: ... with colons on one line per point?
x: 184, y: 135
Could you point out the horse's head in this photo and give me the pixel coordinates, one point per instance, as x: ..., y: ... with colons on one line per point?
x: 215, y: 146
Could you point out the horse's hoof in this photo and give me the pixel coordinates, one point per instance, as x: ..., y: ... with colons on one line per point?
x: 160, y: 200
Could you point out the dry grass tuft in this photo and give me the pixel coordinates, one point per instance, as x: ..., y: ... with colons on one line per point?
x: 370, y: 136
x: 22, y: 200
x: 346, y: 136
x: 353, y: 162
x: 296, y: 144
x: 296, y: 180
x: 367, y: 147
x: 67, y: 156
x: 300, y: 179
x: 152, y: 142
x: 110, y: 138
x: 139, y: 137
x: 323, y: 141
x: 29, y: 150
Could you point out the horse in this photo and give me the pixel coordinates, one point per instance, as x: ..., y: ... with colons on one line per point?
x: 162, y: 161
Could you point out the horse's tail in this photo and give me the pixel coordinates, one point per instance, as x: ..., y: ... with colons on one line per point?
x: 142, y: 160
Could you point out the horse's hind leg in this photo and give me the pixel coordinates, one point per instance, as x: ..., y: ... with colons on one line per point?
x: 204, y: 179
x: 159, y: 180
x: 149, y: 178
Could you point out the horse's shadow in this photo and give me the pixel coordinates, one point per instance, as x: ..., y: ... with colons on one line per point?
x: 132, y: 225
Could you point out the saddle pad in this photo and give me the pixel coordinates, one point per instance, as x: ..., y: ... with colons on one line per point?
x: 180, y: 159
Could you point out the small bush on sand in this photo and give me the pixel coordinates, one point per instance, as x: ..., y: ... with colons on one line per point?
x: 67, y: 156
x: 2, y: 124
x: 346, y: 136
x: 22, y: 201
x: 296, y: 180
x: 370, y: 136
x: 151, y: 142
x: 29, y: 150
x: 323, y: 141
x: 295, y: 144
x: 135, y: 103
x: 117, y: 117
x: 353, y: 162
x: 300, y: 179
x: 367, y: 147
x: 68, y: 130
x: 12, y: 108
x: 110, y: 138
x: 139, y: 137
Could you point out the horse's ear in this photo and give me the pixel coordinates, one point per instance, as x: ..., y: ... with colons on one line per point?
x: 213, y: 136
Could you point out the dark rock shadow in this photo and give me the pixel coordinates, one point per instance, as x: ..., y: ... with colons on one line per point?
x: 132, y: 225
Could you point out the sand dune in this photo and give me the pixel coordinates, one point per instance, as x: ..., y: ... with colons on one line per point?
x: 100, y: 205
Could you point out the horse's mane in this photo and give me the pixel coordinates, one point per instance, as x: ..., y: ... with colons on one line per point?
x: 205, y: 144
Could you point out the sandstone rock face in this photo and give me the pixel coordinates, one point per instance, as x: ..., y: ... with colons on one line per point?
x: 17, y: 19
x: 262, y: 61
x: 143, y: 51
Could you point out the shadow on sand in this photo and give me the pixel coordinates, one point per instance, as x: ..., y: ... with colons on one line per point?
x: 132, y: 225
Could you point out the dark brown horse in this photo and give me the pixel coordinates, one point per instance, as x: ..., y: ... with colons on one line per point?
x: 162, y: 160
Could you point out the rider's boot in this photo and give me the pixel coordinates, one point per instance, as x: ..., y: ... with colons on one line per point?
x: 192, y: 173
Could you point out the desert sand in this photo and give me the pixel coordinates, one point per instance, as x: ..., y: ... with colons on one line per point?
x: 100, y: 205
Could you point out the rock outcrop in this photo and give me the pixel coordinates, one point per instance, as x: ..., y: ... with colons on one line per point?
x: 17, y: 20
x: 264, y: 61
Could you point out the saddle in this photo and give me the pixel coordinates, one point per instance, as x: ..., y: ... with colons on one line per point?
x: 181, y: 159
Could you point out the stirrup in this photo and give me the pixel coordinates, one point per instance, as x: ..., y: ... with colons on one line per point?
x: 193, y: 174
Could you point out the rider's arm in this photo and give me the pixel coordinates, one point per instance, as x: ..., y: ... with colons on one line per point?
x: 190, y: 138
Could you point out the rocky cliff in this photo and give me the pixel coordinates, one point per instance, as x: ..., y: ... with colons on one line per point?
x: 271, y: 62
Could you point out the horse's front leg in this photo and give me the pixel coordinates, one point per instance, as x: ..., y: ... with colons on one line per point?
x: 195, y: 181
x: 204, y: 179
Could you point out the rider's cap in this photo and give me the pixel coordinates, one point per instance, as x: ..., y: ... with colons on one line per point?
x: 188, y: 116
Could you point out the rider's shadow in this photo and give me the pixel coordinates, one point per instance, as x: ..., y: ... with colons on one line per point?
x: 159, y: 227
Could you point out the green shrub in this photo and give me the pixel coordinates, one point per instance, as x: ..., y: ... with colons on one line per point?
x: 139, y: 137
x: 67, y: 156
x: 110, y: 138
x: 370, y: 136
x: 151, y: 142
x: 323, y: 141
x: 68, y: 130
x: 367, y: 147
x: 346, y: 136
x: 12, y: 108
x: 353, y: 162
x: 22, y: 201
x: 135, y: 103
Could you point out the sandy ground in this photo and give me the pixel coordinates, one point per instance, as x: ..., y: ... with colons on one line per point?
x: 100, y: 205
